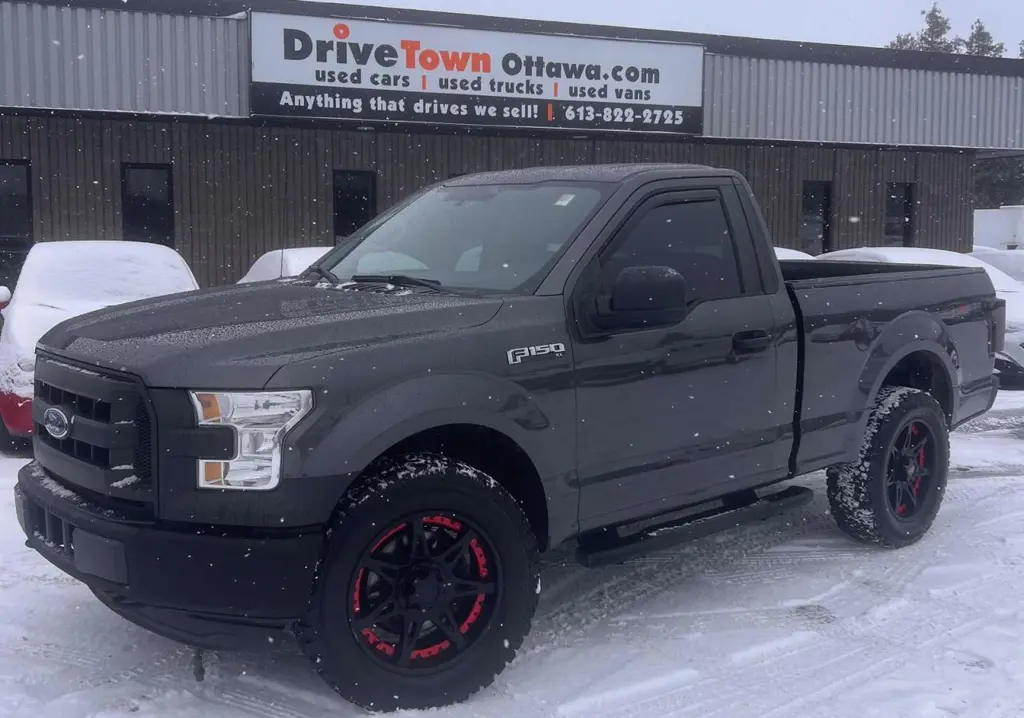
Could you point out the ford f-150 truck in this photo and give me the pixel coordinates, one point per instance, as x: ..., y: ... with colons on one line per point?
x: 373, y: 454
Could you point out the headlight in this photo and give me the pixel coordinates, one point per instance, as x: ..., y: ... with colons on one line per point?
x: 27, y: 364
x: 260, y: 420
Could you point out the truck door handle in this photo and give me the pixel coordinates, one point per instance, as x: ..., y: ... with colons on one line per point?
x: 751, y: 342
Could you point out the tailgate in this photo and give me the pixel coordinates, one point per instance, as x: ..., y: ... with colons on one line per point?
x: 997, y: 325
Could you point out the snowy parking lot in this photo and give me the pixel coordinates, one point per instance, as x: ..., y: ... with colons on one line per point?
x: 784, y: 618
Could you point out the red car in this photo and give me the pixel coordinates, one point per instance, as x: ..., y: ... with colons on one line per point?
x: 61, y: 280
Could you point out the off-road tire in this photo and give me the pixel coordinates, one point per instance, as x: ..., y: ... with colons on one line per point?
x: 857, y: 491
x: 395, y: 489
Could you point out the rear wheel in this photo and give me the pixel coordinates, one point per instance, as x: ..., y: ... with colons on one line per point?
x: 428, y: 588
x: 892, y: 493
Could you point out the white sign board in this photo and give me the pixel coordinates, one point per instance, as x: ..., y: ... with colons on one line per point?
x: 370, y: 71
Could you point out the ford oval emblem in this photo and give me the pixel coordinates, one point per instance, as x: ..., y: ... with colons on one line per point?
x: 56, y: 423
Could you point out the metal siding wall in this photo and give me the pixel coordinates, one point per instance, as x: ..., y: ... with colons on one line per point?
x: 748, y: 98
x: 86, y: 59
x: 944, y: 203
x: 240, y: 191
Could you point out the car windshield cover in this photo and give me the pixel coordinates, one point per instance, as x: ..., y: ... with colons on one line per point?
x: 501, y: 238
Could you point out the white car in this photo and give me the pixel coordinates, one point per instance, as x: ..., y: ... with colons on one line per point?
x: 278, y: 263
x: 61, y: 280
x: 1010, y: 261
x: 784, y: 253
x: 1011, y: 360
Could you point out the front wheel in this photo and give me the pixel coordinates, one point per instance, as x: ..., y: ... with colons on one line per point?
x: 892, y: 493
x: 428, y: 588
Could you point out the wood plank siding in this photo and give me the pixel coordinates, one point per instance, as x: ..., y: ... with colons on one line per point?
x: 240, y: 190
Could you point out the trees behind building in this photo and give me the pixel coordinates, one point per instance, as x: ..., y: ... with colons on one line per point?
x: 997, y: 181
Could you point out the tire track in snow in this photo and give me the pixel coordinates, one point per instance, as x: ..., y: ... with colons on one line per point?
x: 743, y: 556
x: 876, y: 653
x: 611, y: 590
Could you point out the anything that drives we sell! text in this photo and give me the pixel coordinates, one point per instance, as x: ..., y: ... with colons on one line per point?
x: 373, y: 71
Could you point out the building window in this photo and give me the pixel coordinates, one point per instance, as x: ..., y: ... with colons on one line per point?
x: 899, y: 211
x: 147, y: 206
x: 815, y: 218
x: 15, y: 220
x: 355, y: 201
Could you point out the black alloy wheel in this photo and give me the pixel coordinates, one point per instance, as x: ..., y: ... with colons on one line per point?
x: 911, y: 466
x: 424, y: 591
x: 427, y: 588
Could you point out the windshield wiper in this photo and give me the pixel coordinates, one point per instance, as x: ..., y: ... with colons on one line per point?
x: 319, y: 271
x: 401, y: 280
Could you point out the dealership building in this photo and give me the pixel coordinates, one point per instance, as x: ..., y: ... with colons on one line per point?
x: 226, y: 128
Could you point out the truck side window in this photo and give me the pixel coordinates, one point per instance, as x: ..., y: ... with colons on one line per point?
x: 691, y: 237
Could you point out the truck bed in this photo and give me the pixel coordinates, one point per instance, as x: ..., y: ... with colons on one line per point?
x: 804, y: 273
x: 850, y: 319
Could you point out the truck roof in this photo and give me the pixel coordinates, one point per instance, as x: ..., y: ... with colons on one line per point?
x: 611, y: 173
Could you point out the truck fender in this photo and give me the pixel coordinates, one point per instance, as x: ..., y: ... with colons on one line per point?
x: 382, y: 419
x: 916, y: 332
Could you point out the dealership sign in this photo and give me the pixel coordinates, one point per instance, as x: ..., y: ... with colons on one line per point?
x: 368, y: 72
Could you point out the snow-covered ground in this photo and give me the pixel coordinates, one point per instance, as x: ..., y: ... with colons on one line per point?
x: 785, y: 618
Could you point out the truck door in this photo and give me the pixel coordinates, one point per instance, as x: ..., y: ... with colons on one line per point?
x: 681, y: 410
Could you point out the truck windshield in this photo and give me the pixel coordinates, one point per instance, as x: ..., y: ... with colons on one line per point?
x: 501, y: 238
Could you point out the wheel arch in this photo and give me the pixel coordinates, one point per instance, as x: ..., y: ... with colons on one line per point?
x: 924, y: 365
x: 483, y: 421
x: 489, y: 450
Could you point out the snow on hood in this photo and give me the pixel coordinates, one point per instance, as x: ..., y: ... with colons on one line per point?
x: 60, y: 280
x: 279, y: 263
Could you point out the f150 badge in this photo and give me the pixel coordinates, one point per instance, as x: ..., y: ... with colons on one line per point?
x: 516, y: 356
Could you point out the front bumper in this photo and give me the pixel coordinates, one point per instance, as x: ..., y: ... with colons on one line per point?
x: 203, y: 585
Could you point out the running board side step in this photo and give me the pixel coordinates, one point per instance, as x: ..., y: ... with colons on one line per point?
x: 610, y: 549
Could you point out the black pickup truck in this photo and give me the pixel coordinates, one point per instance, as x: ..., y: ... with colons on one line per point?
x: 372, y: 455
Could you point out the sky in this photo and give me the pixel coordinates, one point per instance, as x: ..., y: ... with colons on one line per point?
x: 853, y: 22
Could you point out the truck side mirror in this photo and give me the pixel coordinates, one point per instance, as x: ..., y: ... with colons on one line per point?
x: 647, y: 289
x: 5, y: 297
x: 643, y: 296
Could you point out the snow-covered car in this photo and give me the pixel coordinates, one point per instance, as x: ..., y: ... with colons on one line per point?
x: 1011, y: 360
x: 61, y: 280
x: 784, y: 253
x: 278, y: 263
x: 1010, y: 261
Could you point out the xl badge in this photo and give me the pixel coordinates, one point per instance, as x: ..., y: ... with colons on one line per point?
x: 56, y: 423
x: 516, y: 356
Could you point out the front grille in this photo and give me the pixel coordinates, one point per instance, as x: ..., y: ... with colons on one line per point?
x: 90, y: 453
x: 107, y: 454
x: 143, y: 456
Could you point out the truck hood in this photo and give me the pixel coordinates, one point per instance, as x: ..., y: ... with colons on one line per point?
x: 236, y: 337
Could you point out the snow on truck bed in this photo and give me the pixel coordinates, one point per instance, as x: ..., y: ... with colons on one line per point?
x: 785, y: 618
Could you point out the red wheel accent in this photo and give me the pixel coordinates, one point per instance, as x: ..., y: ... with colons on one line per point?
x: 355, y: 594
x: 426, y: 549
x: 443, y: 521
x: 387, y: 537
x: 909, y: 470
